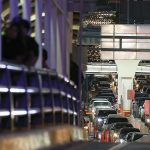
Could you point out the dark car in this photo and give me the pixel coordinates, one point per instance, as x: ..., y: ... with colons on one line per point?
x: 124, y: 131
x: 115, y: 127
x: 102, y: 114
x: 112, y: 118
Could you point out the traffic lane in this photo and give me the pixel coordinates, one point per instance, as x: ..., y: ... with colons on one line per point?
x: 131, y: 146
x: 84, y: 146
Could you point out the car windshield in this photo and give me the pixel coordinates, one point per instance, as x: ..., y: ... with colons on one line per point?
x: 137, y: 136
x: 114, y: 120
x: 104, y: 113
x: 119, y: 126
x: 101, y: 104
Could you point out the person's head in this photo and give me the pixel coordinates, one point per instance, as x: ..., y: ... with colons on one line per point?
x: 25, y: 26
x: 13, y: 31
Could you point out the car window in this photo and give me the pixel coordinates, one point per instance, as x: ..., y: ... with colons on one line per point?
x: 119, y: 126
x: 137, y: 136
x: 113, y: 120
x: 104, y: 113
x: 101, y: 104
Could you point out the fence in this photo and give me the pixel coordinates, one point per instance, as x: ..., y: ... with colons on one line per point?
x: 35, y: 97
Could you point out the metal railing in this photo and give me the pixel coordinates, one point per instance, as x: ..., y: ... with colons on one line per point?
x: 35, y: 97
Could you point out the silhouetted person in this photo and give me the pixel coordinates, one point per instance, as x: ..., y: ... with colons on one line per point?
x: 17, y: 46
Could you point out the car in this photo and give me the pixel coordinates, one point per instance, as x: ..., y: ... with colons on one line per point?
x: 123, y: 132
x: 102, y: 115
x: 99, y: 104
x: 133, y: 136
x: 112, y: 118
x: 115, y: 127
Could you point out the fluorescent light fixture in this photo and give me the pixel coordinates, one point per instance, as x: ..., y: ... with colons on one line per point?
x: 4, y: 113
x: 43, y: 43
x: 62, y: 93
x: 3, y: 89
x: 70, y: 111
x: 60, y: 76
x: 33, y: 111
x: 30, y: 90
x: 74, y: 98
x: 17, y: 90
x: 66, y: 79
x: 72, y: 83
x: 14, y: 67
x: 65, y: 110
x: 2, y: 66
x: 68, y: 95
x: 57, y: 109
x: 19, y: 112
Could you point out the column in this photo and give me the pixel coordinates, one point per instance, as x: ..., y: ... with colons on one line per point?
x: 126, y: 73
x: 38, y: 30
x: 0, y: 31
x: 47, y: 29
x: 13, y: 8
x: 58, y: 46
x: 26, y: 4
x: 53, y: 54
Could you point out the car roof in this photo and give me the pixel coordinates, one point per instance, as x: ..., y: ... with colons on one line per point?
x: 129, y: 129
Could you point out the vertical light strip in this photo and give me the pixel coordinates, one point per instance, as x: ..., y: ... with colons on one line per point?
x: 26, y: 4
x: 13, y: 8
x: 38, y: 30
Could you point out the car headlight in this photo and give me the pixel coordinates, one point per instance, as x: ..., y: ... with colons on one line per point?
x: 115, y: 135
x: 93, y: 111
x: 86, y: 127
x: 121, y: 140
x: 148, y: 120
x: 100, y: 119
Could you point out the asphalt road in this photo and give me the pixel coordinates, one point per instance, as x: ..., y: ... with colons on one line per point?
x: 102, y: 146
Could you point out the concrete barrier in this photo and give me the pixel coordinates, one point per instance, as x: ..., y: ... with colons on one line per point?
x: 40, y: 138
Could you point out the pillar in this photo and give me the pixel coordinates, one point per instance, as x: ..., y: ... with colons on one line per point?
x: 47, y: 29
x: 26, y: 4
x: 0, y: 31
x: 38, y: 31
x: 13, y: 8
x: 53, y: 52
x: 59, y: 53
x: 126, y: 73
